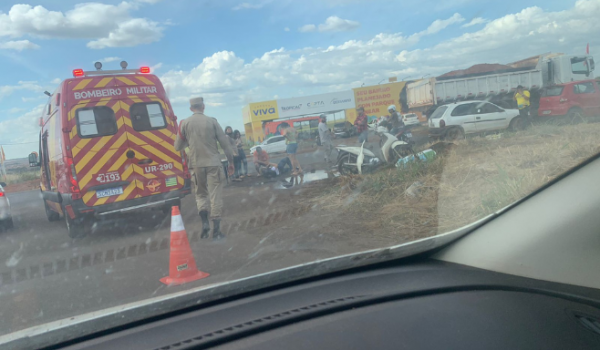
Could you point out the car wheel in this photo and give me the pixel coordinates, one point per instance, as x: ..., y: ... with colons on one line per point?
x: 516, y: 124
x: 575, y: 115
x: 51, y: 215
x: 455, y: 134
x: 347, y: 170
x: 75, y: 227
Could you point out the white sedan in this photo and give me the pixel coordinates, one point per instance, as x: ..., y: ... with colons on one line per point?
x: 411, y: 119
x: 275, y: 144
x: 5, y: 217
x: 457, y: 119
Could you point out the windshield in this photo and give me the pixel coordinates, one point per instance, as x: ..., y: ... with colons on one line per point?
x: 580, y: 66
x: 439, y: 112
x: 129, y: 133
x: 553, y: 91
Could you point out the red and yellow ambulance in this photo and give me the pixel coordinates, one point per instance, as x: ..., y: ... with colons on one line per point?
x: 106, y: 147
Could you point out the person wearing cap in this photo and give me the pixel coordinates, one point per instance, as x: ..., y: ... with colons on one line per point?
x: 200, y: 134
x: 522, y: 97
x: 326, y: 136
x: 361, y: 124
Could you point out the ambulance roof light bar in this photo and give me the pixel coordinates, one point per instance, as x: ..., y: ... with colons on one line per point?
x: 77, y: 73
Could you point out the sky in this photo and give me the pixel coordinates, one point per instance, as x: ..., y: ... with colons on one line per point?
x: 233, y: 52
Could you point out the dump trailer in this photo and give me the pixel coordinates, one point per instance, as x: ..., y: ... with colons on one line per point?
x: 497, y: 83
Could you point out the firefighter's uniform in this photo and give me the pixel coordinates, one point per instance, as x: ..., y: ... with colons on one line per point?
x: 201, y: 133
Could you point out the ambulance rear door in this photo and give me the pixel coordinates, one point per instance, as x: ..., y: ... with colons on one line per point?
x: 103, y: 156
x: 151, y: 131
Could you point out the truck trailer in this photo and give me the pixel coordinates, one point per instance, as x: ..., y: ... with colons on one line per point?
x: 497, y: 83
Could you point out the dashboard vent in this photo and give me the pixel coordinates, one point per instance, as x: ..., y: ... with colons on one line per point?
x: 591, y: 323
x: 209, y: 338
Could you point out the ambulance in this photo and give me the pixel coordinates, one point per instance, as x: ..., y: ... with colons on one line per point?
x: 106, y: 148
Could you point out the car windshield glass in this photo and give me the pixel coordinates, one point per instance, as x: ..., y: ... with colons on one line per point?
x: 579, y: 65
x: 439, y: 112
x: 129, y: 133
x: 553, y: 91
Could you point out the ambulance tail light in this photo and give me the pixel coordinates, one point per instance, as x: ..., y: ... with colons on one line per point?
x: 145, y: 70
x: 78, y: 73
x: 75, y: 193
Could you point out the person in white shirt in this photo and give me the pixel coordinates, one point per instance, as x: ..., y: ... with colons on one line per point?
x: 326, y: 136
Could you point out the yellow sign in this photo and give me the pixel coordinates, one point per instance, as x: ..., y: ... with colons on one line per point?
x: 377, y: 98
x: 351, y: 115
x: 393, y: 79
x: 263, y: 111
x: 246, y: 114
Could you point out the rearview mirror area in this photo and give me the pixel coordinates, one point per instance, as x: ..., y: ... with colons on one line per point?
x: 33, y: 160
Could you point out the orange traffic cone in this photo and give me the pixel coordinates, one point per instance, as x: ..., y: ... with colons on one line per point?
x: 182, y: 266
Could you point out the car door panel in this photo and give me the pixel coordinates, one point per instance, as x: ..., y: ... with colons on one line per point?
x: 281, y: 146
x: 491, y: 117
x: 463, y: 116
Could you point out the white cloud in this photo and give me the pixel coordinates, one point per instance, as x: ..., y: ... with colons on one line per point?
x: 287, y: 29
x: 108, y: 59
x: 250, y: 6
x: 7, y: 90
x: 23, y: 128
x: 19, y: 45
x: 108, y: 25
x: 134, y: 32
x: 227, y: 78
x: 33, y: 99
x: 475, y: 21
x: 307, y: 28
x: 336, y: 24
x: 56, y: 81
x: 440, y: 24
x: 156, y: 67
x: 15, y: 110
x: 332, y: 24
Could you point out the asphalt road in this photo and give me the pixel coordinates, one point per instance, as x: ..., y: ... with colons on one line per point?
x: 47, y: 276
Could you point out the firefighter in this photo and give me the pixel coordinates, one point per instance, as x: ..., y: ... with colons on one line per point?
x: 201, y: 133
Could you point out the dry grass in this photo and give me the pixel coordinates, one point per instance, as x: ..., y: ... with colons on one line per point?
x: 475, y: 178
x: 21, y: 176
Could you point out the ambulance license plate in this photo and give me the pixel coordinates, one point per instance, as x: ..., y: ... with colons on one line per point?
x: 546, y: 112
x: 408, y: 134
x: 109, y: 192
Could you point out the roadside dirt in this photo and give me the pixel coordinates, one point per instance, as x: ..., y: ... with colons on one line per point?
x: 23, y: 186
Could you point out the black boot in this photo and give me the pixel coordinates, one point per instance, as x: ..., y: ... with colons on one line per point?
x: 217, y: 234
x: 205, y: 224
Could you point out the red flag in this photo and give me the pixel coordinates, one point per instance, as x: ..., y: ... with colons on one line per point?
x: 587, y: 49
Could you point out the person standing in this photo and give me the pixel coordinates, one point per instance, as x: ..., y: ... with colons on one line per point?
x: 361, y: 124
x: 201, y: 133
x: 243, y: 162
x: 236, y: 158
x: 291, y: 136
x: 522, y: 97
x: 326, y: 136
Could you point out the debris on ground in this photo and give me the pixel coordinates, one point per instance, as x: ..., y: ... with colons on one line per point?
x: 426, y: 155
x: 494, y: 137
x: 414, y: 190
